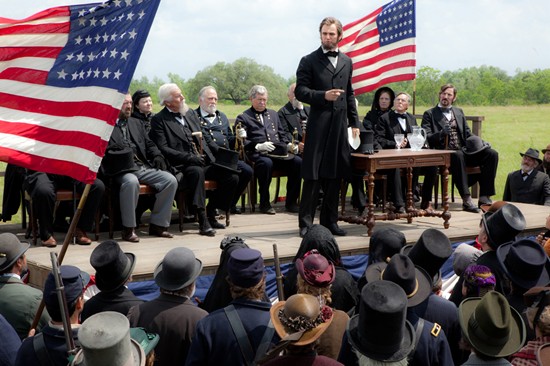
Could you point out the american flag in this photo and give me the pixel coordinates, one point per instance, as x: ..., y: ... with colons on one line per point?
x: 63, y: 76
x: 382, y: 46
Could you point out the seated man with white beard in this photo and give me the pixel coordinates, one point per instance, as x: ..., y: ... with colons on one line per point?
x: 176, y: 130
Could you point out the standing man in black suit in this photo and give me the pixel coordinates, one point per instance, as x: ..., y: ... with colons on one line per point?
x: 528, y: 185
x: 447, y: 129
x: 149, y: 168
x: 176, y: 130
x: 399, y: 121
x: 323, y: 80
x: 293, y: 115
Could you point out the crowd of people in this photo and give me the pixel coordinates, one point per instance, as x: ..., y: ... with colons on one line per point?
x: 498, y: 312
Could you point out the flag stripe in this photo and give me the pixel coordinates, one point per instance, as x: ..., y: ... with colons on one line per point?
x: 382, y: 46
x: 63, y: 76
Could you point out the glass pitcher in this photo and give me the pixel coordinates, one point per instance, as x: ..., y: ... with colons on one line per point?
x: 417, y: 138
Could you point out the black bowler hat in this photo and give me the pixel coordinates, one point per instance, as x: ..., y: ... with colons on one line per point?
x: 113, y: 267
x: 431, y: 250
x: 525, y: 263
x: 503, y: 225
x: 533, y: 154
x: 474, y: 144
x: 381, y: 331
x: 416, y: 283
x: 227, y: 159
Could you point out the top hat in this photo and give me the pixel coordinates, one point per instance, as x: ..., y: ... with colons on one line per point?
x: 381, y: 331
x: 178, y: 269
x: 105, y: 341
x: 73, y: 281
x: 431, y: 250
x: 503, y: 225
x: 118, y: 160
x: 525, y: 263
x: 227, y: 159
x: 533, y: 154
x: 384, y: 243
x: 280, y: 152
x: 315, y: 269
x: 547, y: 149
x: 113, y: 267
x: 367, y: 141
x: 491, y: 325
x: 416, y: 283
x: 245, y: 267
x: 474, y: 144
x: 300, y: 319
x: 10, y: 250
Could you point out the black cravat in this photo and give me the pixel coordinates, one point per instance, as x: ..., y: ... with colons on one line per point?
x: 524, y: 174
x: 331, y: 53
x: 399, y: 115
x: 445, y: 110
x: 210, y: 115
x: 175, y: 114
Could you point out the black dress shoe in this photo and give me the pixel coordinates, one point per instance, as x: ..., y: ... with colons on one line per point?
x: 267, y: 210
x: 215, y: 223
x: 470, y: 207
x: 292, y: 208
x: 161, y: 232
x: 335, y: 230
x: 128, y: 234
x: 205, y: 228
x: 303, y: 231
x: 400, y: 210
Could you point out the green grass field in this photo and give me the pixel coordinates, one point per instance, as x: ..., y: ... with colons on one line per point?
x: 510, y: 130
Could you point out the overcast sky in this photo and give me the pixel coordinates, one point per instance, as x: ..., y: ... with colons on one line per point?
x: 188, y: 36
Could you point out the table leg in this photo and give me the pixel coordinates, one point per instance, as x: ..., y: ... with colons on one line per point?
x: 410, y: 200
x: 446, y: 215
x: 370, y: 212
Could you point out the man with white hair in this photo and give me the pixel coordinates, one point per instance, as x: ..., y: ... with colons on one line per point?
x: 177, y: 132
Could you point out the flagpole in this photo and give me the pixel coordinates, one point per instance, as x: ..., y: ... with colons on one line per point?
x: 68, y: 238
x: 414, y: 96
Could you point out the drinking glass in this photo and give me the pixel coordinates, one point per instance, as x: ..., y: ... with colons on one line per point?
x: 399, y: 137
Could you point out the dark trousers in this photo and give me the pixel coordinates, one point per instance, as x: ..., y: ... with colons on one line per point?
x: 430, y: 179
x: 486, y: 159
x: 263, y: 169
x: 42, y: 188
x: 310, y: 197
x: 244, y: 178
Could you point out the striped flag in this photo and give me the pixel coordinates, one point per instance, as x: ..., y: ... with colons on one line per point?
x: 382, y: 46
x: 63, y: 76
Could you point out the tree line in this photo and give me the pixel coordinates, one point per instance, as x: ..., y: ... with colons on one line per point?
x: 483, y: 85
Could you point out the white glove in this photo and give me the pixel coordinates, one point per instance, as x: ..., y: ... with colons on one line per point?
x: 292, y: 148
x: 265, y: 147
x: 241, y: 133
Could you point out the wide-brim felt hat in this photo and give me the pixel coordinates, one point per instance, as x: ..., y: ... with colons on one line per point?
x: 525, y: 263
x: 431, y: 250
x: 547, y: 149
x: 533, y: 154
x: 117, y: 161
x: 491, y: 325
x: 384, y: 243
x: 503, y: 225
x: 227, y: 159
x: 380, y: 331
x: 281, y: 152
x: 474, y: 144
x: 416, y: 283
x: 105, y: 340
x: 306, y: 308
x: 10, y: 250
x: 178, y: 269
x: 113, y: 266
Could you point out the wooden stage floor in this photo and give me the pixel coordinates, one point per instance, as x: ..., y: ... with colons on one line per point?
x: 259, y: 231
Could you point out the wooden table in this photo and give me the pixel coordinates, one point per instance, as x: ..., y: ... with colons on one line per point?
x: 406, y: 159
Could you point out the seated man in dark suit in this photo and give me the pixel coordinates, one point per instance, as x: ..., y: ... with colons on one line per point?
x: 216, y: 124
x: 176, y: 130
x: 446, y: 129
x: 528, y: 185
x: 268, y: 146
x: 293, y: 116
x: 545, y: 166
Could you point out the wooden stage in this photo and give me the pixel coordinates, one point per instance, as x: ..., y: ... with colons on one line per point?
x: 260, y: 231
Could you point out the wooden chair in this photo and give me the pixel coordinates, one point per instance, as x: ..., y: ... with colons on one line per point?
x: 474, y: 189
x: 377, y: 177
x: 253, y: 188
x: 62, y: 195
x: 209, y: 185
